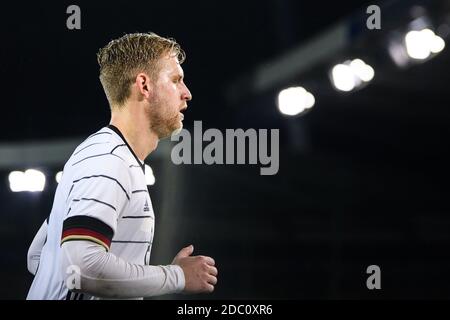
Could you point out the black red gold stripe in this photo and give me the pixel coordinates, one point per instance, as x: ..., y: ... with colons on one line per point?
x: 87, y: 228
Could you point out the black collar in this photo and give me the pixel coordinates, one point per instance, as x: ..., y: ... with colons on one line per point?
x: 116, y: 130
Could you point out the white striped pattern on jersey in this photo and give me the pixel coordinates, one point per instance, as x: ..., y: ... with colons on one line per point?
x: 102, y: 197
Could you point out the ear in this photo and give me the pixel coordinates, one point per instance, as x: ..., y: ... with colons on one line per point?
x: 144, y: 84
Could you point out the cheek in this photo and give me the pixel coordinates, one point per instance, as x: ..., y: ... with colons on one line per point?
x: 169, y: 100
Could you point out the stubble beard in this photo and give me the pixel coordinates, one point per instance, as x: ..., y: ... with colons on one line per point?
x: 163, y: 124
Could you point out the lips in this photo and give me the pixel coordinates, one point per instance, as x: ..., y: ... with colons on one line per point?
x: 181, y: 112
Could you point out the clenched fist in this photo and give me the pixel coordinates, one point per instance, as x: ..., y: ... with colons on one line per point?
x: 199, y: 271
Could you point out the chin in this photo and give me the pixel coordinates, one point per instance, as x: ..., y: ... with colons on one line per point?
x: 171, y: 131
x: 177, y: 130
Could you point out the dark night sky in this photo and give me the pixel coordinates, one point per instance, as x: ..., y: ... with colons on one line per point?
x: 51, y: 73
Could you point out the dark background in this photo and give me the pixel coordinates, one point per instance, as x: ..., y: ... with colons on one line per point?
x: 362, y: 178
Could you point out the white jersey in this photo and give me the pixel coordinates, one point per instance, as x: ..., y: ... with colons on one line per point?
x: 102, y: 197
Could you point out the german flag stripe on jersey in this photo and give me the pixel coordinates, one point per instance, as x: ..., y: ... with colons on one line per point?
x: 87, y: 228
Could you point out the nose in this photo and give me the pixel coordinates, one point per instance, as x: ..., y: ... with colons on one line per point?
x: 187, y: 96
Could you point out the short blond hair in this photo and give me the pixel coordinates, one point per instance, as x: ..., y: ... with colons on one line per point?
x: 122, y: 59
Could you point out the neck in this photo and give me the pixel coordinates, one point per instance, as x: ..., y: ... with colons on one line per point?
x: 133, y: 124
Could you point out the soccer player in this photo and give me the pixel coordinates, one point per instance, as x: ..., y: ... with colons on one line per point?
x: 97, y: 240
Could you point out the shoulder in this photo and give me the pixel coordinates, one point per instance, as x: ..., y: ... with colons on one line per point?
x: 100, y: 148
x: 99, y: 155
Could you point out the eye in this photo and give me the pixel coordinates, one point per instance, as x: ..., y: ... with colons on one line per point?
x: 178, y: 79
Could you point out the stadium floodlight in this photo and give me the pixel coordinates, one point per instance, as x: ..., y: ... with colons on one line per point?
x: 58, y: 176
x: 31, y: 180
x: 295, y: 100
x: 437, y: 45
x: 343, y: 77
x: 149, y: 177
x: 417, y: 45
x: 421, y: 44
x: 362, y: 70
x: 350, y: 75
x: 16, y: 181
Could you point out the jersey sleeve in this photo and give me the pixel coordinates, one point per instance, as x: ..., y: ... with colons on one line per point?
x: 104, y: 275
x: 96, y: 199
x: 35, y: 249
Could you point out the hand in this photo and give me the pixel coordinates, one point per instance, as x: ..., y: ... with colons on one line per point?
x: 199, y: 271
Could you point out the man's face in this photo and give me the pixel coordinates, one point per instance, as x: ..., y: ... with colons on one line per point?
x: 169, y: 98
